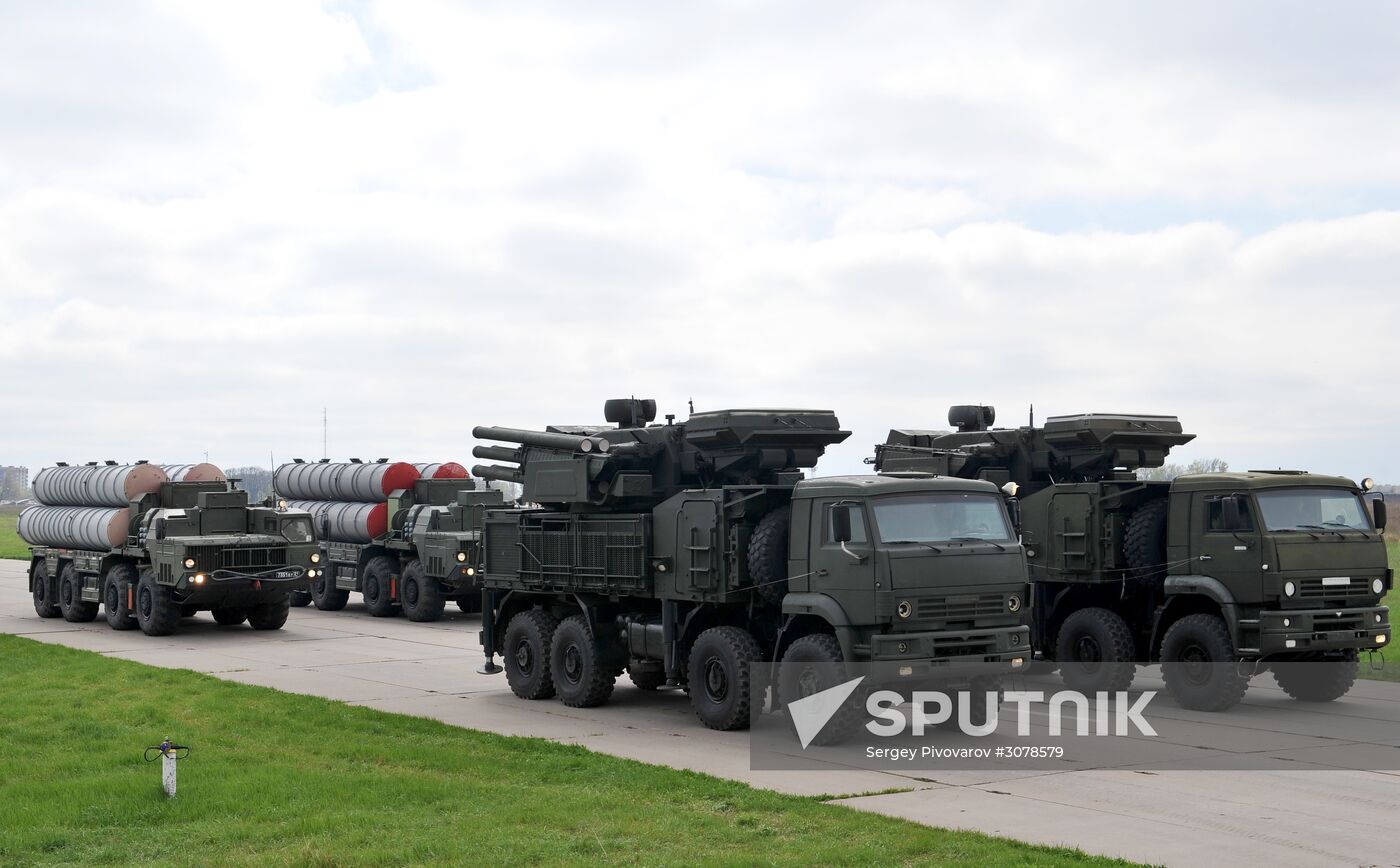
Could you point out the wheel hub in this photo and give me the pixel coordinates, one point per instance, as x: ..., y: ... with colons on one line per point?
x: 716, y: 681
x: 573, y: 663
x: 1196, y: 664
x: 524, y: 658
x: 1088, y: 652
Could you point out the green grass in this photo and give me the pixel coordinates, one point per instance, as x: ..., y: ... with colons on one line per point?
x: 285, y: 779
x: 11, y: 546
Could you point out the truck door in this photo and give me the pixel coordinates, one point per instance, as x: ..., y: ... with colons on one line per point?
x: 849, y: 578
x: 1234, y: 556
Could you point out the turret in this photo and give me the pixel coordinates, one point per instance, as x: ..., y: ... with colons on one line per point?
x: 637, y: 465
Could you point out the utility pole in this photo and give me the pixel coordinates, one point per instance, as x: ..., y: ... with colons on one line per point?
x: 325, y: 453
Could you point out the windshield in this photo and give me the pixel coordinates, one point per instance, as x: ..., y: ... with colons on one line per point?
x: 1294, y: 508
x: 941, y: 518
x: 298, y: 530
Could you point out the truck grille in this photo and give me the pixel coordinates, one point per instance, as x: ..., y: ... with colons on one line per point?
x: 1326, y: 623
x: 1313, y: 589
x: 211, y: 558
x: 958, y: 608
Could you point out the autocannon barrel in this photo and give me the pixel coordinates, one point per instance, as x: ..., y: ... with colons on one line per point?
x: 497, y: 453
x: 498, y: 473
x: 97, y: 484
x: 543, y: 439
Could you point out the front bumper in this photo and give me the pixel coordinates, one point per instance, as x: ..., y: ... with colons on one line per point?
x: 221, y: 584
x: 1360, y: 628
x: 949, y: 653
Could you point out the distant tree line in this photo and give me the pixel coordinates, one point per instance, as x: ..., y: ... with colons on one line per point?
x: 257, y: 481
x: 1168, y: 472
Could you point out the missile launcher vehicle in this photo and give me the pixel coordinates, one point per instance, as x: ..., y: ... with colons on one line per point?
x: 172, y: 549
x: 1219, y: 575
x: 683, y: 552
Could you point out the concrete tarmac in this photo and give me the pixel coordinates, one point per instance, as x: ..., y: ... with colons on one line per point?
x: 1328, y: 816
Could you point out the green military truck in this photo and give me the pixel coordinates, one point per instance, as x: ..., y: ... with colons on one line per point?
x: 682, y: 553
x: 1217, y: 575
x: 408, y: 553
x: 175, y: 549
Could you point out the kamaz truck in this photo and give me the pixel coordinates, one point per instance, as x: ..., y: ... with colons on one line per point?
x: 412, y: 553
x: 180, y: 549
x: 1216, y: 575
x: 684, y: 552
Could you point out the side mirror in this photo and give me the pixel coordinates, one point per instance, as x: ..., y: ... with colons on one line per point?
x: 160, y: 528
x: 326, y: 527
x: 1013, y: 508
x: 1230, y: 515
x: 1378, y: 513
x: 841, y: 523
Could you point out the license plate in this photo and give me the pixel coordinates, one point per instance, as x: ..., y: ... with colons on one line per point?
x: 1337, y: 580
x: 287, y: 574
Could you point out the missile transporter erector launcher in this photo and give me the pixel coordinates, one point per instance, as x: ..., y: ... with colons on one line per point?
x: 1218, y: 574
x: 175, y: 548
x: 403, y: 536
x: 683, y: 552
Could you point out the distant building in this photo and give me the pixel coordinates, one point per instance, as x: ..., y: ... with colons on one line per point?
x: 14, y: 483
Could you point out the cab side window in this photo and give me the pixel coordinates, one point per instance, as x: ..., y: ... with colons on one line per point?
x: 1215, y: 520
x: 858, y: 534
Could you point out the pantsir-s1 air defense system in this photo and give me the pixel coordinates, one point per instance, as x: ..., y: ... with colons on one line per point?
x: 1216, y: 575
x: 397, y: 533
x: 683, y: 552
x: 153, y: 544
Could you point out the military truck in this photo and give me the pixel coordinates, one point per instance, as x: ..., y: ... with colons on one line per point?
x: 409, y: 553
x: 683, y: 552
x: 172, y: 552
x: 1256, y: 569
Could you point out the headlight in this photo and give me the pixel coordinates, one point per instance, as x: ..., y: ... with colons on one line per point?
x: 461, y: 557
x: 281, y: 504
x: 471, y: 571
x: 1367, y: 484
x: 315, y: 557
x: 189, y: 563
x: 1378, y: 617
x: 1377, y: 586
x: 1013, y: 603
x: 311, y: 574
x: 1288, y: 622
x: 904, y: 609
x: 199, y: 578
x: 1289, y: 589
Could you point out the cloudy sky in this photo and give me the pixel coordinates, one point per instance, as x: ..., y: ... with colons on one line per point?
x: 216, y: 219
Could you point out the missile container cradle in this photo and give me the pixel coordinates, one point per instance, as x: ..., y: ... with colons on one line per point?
x: 683, y: 552
x: 1219, y: 568
x: 188, y: 547
x: 425, y: 556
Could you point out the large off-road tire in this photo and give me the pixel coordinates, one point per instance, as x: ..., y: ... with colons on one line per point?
x: 579, y: 665
x: 1096, y: 651
x: 375, y: 587
x: 1145, y: 540
x: 117, y: 593
x: 229, y: 616
x: 1318, y: 679
x: 325, y: 595
x: 70, y: 599
x: 271, y: 615
x: 768, y: 553
x: 810, y: 665
x: 526, y: 653
x: 300, y: 599
x: 157, y: 613
x: 421, y: 595
x: 1199, y: 664
x: 647, y: 674
x: 45, y: 597
x: 720, y: 689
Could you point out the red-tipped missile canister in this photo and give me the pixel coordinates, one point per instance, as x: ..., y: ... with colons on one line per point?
x: 347, y: 481
x: 194, y: 473
x: 94, y: 528
x: 442, y: 470
x: 108, y: 485
x: 338, y: 521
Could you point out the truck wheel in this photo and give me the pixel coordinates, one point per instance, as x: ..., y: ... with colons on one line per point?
x: 767, y: 555
x: 1095, y: 650
x: 1198, y: 664
x: 1145, y: 540
x: 810, y: 665
x: 526, y: 651
x: 375, y: 587
x: 229, y: 616
x: 1317, y: 679
x: 270, y: 616
x: 157, y: 613
x: 719, y: 677
x: 977, y: 714
x: 647, y: 674
x: 421, y: 596
x: 117, y: 592
x: 326, y: 596
x: 583, y: 677
x: 299, y: 599
x: 70, y: 597
x: 45, y: 599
